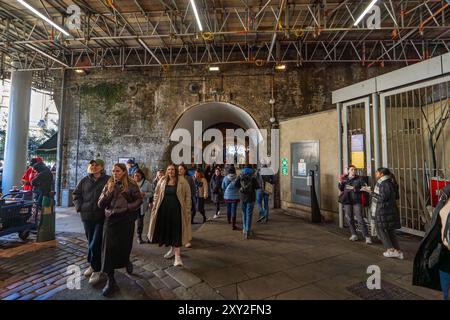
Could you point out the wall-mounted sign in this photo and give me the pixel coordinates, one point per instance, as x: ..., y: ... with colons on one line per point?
x: 302, y: 167
x: 357, y: 147
x: 284, y: 167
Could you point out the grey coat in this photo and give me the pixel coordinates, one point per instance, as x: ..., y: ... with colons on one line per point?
x: 147, y: 188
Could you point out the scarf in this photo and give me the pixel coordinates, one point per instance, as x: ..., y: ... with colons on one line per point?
x: 376, y: 191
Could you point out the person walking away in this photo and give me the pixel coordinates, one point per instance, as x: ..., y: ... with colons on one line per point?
x: 146, y: 189
x: 350, y: 186
x: 85, y: 199
x: 247, y: 185
x: 216, y: 190
x: 172, y: 205
x: 120, y: 198
x: 231, y: 196
x: 262, y: 194
x: 431, y: 267
x: 183, y: 173
x: 201, y: 194
x: 132, y: 167
x: 43, y: 181
x: 384, y: 209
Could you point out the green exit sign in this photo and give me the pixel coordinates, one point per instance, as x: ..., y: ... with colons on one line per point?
x: 284, y: 167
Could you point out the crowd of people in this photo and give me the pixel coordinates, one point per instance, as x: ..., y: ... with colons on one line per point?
x: 112, y: 207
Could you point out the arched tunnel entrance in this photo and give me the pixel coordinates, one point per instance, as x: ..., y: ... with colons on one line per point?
x: 220, y: 116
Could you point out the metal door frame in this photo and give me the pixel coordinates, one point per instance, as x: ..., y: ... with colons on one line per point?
x: 292, y: 171
x: 384, y: 144
x: 368, y: 134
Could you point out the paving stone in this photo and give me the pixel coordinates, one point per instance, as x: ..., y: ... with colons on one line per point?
x: 167, y: 294
x: 32, y: 288
x: 267, y: 286
x: 184, y: 294
x: 228, y: 292
x: 28, y: 296
x: 159, y: 273
x: 186, y: 278
x: 12, y: 297
x: 156, y: 283
x: 149, y: 267
x: 170, y: 282
x: 45, y: 289
x: 50, y: 293
x: 151, y: 292
x: 205, y: 292
x: 16, y: 289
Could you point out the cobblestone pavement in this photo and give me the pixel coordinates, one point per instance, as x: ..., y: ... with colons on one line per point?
x: 287, y: 258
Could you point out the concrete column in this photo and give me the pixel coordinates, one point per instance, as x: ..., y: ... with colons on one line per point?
x: 16, y: 147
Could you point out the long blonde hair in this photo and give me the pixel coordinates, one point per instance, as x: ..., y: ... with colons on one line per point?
x: 166, y: 175
x: 125, y: 179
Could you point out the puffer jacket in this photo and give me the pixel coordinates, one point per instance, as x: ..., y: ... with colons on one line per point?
x: 387, y: 216
x: 231, y: 192
x: 423, y: 275
x: 117, y: 203
x: 86, y: 195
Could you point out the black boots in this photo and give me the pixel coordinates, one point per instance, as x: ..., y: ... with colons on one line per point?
x: 129, y: 268
x: 110, y: 285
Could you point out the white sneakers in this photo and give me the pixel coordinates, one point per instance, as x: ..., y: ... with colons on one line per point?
x: 170, y: 253
x: 95, y: 278
x: 368, y: 240
x: 353, y: 238
x: 88, y: 272
x: 393, y: 254
x: 178, y: 262
x: 216, y: 215
x: 188, y: 245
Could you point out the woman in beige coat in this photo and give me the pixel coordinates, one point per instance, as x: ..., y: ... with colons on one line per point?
x: 170, y: 213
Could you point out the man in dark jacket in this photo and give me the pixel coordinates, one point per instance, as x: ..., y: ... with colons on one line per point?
x: 247, y: 185
x: 85, y: 198
x: 43, y: 181
x: 431, y: 267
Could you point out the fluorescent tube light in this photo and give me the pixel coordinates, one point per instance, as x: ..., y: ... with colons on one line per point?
x: 150, y: 51
x: 40, y: 15
x: 214, y: 68
x: 280, y: 67
x: 46, y: 55
x: 365, y: 12
x: 194, y: 7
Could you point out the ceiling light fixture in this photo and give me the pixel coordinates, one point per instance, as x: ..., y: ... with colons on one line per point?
x: 40, y: 15
x: 197, y: 17
x: 214, y: 68
x: 46, y: 55
x: 149, y: 51
x: 365, y: 12
x: 280, y: 67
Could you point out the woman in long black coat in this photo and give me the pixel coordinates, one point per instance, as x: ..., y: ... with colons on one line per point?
x: 121, y: 198
x: 384, y: 208
x: 216, y: 190
x: 432, y: 262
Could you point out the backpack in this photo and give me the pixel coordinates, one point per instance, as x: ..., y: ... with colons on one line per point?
x: 246, y: 185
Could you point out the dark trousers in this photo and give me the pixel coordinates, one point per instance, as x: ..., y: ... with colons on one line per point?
x: 231, y: 212
x: 94, y: 235
x: 355, y: 210
x: 200, y: 202
x: 388, y: 238
x: 217, y: 206
x: 139, y: 223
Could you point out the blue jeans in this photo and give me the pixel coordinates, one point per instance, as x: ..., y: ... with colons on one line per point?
x: 445, y: 283
x: 231, y: 210
x: 247, y: 211
x: 262, y: 199
x: 94, y: 235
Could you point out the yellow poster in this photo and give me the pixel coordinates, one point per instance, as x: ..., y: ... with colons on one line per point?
x: 358, y: 159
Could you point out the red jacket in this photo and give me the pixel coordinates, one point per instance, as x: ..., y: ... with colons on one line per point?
x: 28, y: 176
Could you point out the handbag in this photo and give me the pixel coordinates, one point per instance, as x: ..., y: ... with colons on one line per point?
x: 268, y: 187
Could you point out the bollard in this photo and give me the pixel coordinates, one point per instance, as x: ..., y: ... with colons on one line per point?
x: 316, y: 217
